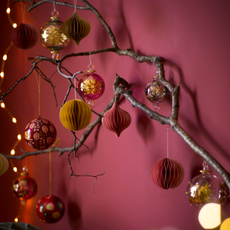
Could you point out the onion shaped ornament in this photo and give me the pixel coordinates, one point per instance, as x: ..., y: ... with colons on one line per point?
x: 24, y: 36
x: 167, y: 173
x: 76, y: 28
x: 75, y: 115
x: 116, y: 119
x: 4, y: 164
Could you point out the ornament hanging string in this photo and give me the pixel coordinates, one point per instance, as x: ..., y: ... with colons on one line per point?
x: 38, y: 79
x: 168, y: 141
x: 23, y: 8
x: 75, y: 5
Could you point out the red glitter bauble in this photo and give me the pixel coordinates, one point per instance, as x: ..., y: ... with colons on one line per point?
x: 50, y: 209
x: 167, y: 173
x: 40, y: 134
x: 24, y: 36
x: 24, y: 187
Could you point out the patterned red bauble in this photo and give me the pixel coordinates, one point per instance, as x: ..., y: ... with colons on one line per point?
x: 167, y: 173
x: 50, y: 209
x: 24, y: 36
x: 24, y: 187
x: 40, y: 134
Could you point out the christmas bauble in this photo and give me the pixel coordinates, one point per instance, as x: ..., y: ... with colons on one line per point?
x: 75, y: 115
x: 155, y: 91
x: 40, y: 134
x: 91, y: 86
x: 4, y: 164
x: 167, y: 173
x: 52, y: 37
x: 24, y: 36
x: 205, y: 188
x: 50, y: 209
x: 24, y: 187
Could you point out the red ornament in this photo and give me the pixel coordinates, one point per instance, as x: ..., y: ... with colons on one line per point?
x: 167, y: 173
x: 24, y: 36
x: 50, y: 209
x: 40, y: 134
x: 24, y: 187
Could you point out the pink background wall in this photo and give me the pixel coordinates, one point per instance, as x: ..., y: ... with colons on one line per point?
x: 192, y: 37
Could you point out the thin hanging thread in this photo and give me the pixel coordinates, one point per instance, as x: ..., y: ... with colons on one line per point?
x: 39, y: 91
x: 50, y: 171
x: 23, y: 8
x: 168, y: 142
x: 75, y: 5
x: 75, y: 91
x: 54, y: 6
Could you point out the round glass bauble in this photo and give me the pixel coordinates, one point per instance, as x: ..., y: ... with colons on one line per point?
x: 50, y: 209
x: 75, y: 115
x: 24, y: 36
x: 24, y: 187
x: 155, y: 91
x: 206, y: 188
x: 40, y: 134
x: 52, y: 37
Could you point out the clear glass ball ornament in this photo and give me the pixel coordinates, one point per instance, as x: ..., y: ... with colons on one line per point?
x: 156, y: 92
x: 52, y: 37
x: 206, y: 188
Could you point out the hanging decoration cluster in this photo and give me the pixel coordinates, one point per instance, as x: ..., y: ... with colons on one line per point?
x: 50, y: 209
x: 116, y: 119
x: 206, y: 188
x: 75, y: 115
x: 24, y: 36
x: 167, y: 173
x: 76, y: 28
x: 40, y: 134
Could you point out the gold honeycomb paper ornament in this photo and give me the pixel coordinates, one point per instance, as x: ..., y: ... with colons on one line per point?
x: 76, y: 28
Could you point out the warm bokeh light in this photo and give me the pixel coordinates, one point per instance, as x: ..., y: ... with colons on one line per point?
x: 2, y: 105
x: 14, y: 120
x: 4, y: 57
x: 15, y: 25
x: 2, y: 74
x: 210, y: 216
x: 225, y: 225
x: 15, y: 219
x: 8, y: 10
x: 15, y: 169
x: 12, y: 152
x: 19, y: 136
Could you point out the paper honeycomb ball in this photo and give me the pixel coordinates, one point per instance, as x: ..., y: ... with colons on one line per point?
x: 167, y: 173
x: 4, y: 164
x: 24, y: 36
x: 50, y: 209
x: 75, y: 115
x: 24, y: 187
x: 40, y: 134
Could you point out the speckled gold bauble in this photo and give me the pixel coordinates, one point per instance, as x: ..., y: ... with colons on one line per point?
x: 76, y: 28
x: 75, y: 115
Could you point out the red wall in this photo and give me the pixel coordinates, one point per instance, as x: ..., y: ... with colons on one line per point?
x: 192, y: 37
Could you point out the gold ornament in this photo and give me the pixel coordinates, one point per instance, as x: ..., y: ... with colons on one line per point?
x: 4, y: 164
x: 76, y: 28
x: 75, y: 115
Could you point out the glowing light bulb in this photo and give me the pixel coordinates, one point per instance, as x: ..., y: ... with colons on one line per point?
x: 2, y: 74
x: 225, y: 225
x: 209, y: 216
x: 12, y: 152
x: 8, y: 10
x: 15, y: 219
x: 14, y: 120
x: 19, y: 136
x: 15, y: 169
x: 15, y: 25
x: 4, y: 57
x: 2, y: 105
